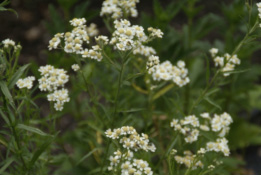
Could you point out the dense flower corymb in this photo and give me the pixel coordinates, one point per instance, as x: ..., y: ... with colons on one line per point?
x: 226, y: 62
x: 130, y: 139
x: 8, y: 43
x: 128, y: 164
x: 130, y: 37
x: 76, y: 40
x: 119, y: 8
x: 51, y: 80
x: 166, y: 71
x: 26, y: 82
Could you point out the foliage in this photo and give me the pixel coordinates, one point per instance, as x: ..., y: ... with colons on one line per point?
x: 116, y: 87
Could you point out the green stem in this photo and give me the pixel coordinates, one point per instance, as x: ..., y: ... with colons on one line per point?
x: 170, y: 165
x: 238, y: 47
x: 17, y: 140
x: 109, y: 59
x: 105, y: 157
x: 204, y: 92
x: 118, y: 89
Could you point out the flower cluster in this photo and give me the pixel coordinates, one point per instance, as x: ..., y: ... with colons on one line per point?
x: 155, y: 33
x: 26, y: 82
x: 59, y: 97
x: 259, y: 10
x: 8, y: 43
x: 128, y: 37
x: 152, y: 63
x: 221, y: 145
x: 75, y: 40
x: 144, y: 50
x: 119, y: 8
x: 51, y: 80
x: 130, y: 139
x: 190, y: 125
x: 128, y: 164
x: 221, y: 123
x: 166, y: 71
x: 226, y: 62
x: 189, y: 160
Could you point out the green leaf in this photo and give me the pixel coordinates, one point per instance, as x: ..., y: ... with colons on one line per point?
x: 212, y: 103
x: 7, y: 93
x: 172, y: 145
x: 17, y: 75
x: 5, y: 2
x: 162, y: 91
x: 32, y: 129
x: 133, y: 76
x: 2, y: 9
x: 87, y: 155
x: 237, y: 71
x: 157, y: 8
x: 81, y: 9
x: 4, y: 117
x: 212, y: 91
x: 134, y: 110
x: 207, y: 70
x: 250, y: 134
x: 6, y: 165
x: 3, y: 142
x: 38, y: 153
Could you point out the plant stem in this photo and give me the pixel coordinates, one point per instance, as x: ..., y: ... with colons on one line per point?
x: 17, y: 140
x: 204, y: 92
x: 238, y: 47
x: 105, y: 157
x: 118, y: 89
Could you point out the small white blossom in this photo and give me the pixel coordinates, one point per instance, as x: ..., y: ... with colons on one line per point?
x: 213, y: 52
x: 166, y: 71
x: 8, y: 43
x: 75, y: 67
x: 26, y: 82
x: 118, y: 8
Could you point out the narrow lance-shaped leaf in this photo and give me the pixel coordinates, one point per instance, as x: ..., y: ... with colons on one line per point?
x: 17, y: 75
x: 31, y: 129
x: 39, y: 152
x: 4, y: 117
x: 7, y: 93
x: 6, y: 165
x: 212, y: 103
x: 163, y: 91
x: 87, y: 155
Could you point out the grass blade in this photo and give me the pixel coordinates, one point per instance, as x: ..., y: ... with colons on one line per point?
x: 32, y: 129
x: 87, y: 155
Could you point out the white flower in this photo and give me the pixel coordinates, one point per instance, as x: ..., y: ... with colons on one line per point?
x: 51, y: 80
x: 213, y: 52
x: 26, y: 82
x: 77, y: 22
x: 155, y: 33
x: 259, y: 10
x: 166, y: 71
x: 75, y: 67
x: 221, y: 145
x: 227, y: 63
x: 144, y: 50
x: 116, y: 8
x: 8, y: 42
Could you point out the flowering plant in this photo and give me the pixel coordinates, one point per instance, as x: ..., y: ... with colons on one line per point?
x: 129, y: 110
